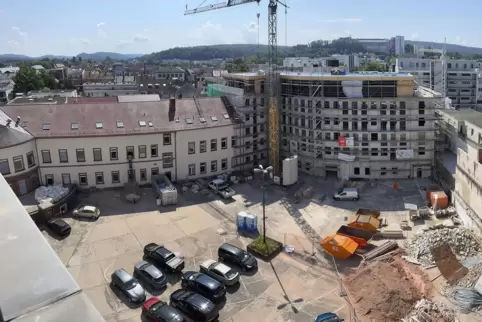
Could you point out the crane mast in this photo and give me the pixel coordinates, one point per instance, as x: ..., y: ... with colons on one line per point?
x: 273, y: 112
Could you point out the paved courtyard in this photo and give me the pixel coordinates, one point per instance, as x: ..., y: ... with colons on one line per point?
x: 193, y: 229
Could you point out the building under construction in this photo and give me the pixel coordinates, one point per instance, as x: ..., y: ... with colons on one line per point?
x: 346, y: 126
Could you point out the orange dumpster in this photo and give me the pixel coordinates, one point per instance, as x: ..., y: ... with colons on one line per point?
x: 441, y: 198
x: 367, y: 222
x: 339, y: 246
x: 360, y: 236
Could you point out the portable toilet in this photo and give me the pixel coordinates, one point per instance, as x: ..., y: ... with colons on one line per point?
x: 251, y: 222
x: 339, y: 246
x: 241, y: 220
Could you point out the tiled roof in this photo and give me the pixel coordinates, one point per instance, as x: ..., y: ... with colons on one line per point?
x: 12, y: 135
x: 59, y: 118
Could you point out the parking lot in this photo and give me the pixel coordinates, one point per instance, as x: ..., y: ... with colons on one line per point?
x: 195, y: 229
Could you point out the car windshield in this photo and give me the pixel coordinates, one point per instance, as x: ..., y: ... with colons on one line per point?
x: 245, y: 256
x: 130, y: 284
x: 231, y: 274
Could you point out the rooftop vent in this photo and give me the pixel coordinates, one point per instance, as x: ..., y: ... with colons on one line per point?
x: 214, y: 118
x: 120, y: 124
x: 99, y: 125
x: 46, y: 126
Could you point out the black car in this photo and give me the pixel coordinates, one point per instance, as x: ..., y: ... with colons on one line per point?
x: 58, y: 227
x: 129, y: 286
x: 163, y: 257
x: 235, y: 255
x: 204, y: 285
x: 194, y: 305
x: 149, y: 274
x: 156, y: 310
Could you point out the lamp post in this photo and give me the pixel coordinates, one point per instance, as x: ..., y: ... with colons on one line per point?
x: 263, y: 172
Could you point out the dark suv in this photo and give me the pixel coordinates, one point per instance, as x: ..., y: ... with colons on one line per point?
x: 194, y: 305
x: 204, y: 285
x: 235, y: 255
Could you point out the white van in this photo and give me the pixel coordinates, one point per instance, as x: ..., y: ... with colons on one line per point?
x: 347, y: 194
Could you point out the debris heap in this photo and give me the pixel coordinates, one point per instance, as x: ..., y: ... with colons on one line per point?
x: 428, y: 311
x: 459, y: 239
x: 468, y: 281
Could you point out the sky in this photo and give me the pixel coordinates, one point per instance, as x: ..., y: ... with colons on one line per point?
x: 40, y: 27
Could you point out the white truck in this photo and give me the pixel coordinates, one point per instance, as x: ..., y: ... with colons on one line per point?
x: 221, y: 187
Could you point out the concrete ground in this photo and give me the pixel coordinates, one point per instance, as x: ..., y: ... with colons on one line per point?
x: 195, y: 229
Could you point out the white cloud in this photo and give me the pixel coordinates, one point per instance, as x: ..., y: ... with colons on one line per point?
x: 100, y: 30
x: 141, y: 38
x: 13, y: 43
x: 415, y: 36
x: 342, y: 20
x: 19, y: 32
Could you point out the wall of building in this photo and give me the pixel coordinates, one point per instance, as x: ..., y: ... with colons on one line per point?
x: 106, y: 166
x: 468, y: 179
x: 184, y: 158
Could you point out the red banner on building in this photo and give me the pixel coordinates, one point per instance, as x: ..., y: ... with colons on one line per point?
x: 341, y: 141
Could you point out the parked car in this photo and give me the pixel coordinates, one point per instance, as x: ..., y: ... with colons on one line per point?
x: 163, y: 257
x: 149, y: 274
x: 84, y: 211
x: 158, y: 311
x: 220, y: 272
x: 58, y: 227
x: 128, y: 285
x: 328, y: 317
x: 204, y: 285
x: 347, y: 194
x: 235, y: 255
x: 194, y: 305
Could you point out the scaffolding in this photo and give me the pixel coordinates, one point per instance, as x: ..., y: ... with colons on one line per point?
x: 376, y: 101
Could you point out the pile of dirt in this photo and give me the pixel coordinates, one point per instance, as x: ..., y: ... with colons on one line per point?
x: 387, y: 290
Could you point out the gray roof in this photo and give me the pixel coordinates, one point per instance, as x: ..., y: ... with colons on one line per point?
x: 187, y: 115
x: 138, y: 98
x: 36, y: 286
x: 12, y: 135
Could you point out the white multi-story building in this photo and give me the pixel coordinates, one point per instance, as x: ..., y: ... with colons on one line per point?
x: 170, y: 73
x: 91, y: 144
x: 350, y: 61
x: 458, y: 79
x: 110, y: 89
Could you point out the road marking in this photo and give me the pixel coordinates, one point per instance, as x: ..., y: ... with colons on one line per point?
x: 340, y: 308
x: 322, y: 296
x: 108, y: 267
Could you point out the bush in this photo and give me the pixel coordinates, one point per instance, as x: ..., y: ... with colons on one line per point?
x: 265, y: 250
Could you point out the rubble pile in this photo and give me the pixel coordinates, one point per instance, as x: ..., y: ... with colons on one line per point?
x: 468, y: 281
x: 460, y: 240
x: 428, y: 311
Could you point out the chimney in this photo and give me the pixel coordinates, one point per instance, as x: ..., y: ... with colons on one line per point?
x: 172, y: 108
x: 8, y: 123
x: 18, y: 121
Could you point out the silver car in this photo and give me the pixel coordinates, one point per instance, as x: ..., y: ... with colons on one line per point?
x: 220, y: 272
x: 84, y: 211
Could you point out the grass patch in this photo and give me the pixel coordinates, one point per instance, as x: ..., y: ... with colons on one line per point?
x: 265, y: 249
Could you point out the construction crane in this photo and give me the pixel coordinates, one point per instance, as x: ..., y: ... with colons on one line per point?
x: 273, y: 112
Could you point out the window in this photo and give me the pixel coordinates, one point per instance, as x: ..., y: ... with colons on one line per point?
x: 192, y: 169
x: 191, y: 147
x: 356, y: 171
x: 246, y: 117
x: 214, y: 145
x: 142, y: 123
x: 154, y: 151
x: 214, y: 166
x: 130, y: 152
x: 154, y: 171
x: 143, y: 175
x: 202, y: 168
x: 115, y: 176
x: 224, y: 143
x: 97, y: 154
x: 167, y: 160
x: 83, y: 179
x: 49, y: 179
x: 224, y: 164
x: 63, y: 156
x: 30, y: 159
x: 46, y: 126
x: 214, y: 118
x: 4, y: 166
x: 80, y: 155
x: 99, y: 178
x: 233, y: 141
x: 114, y: 155
x: 202, y: 146
x: 46, y: 156
x: 142, y: 152
x: 65, y: 179
x: 99, y: 125
x: 166, y: 139
x: 74, y: 126
x: 120, y: 124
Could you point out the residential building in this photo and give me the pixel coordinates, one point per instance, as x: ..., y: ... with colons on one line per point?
x: 110, y: 89
x: 38, y: 68
x: 397, y: 45
x: 169, y: 73
x: 8, y: 72
x: 462, y: 131
x: 458, y: 79
x: 102, y: 145
x: 345, y: 126
x: 6, y: 90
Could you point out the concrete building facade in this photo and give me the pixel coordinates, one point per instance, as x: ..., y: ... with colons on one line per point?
x: 103, y: 145
x: 110, y: 89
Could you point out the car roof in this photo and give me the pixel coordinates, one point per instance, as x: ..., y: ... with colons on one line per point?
x: 208, y: 263
x: 224, y: 269
x: 140, y: 264
x: 58, y: 222
x: 123, y: 275
x: 200, y: 302
x: 167, y: 313
x: 210, y: 282
x: 91, y: 208
x: 152, y: 271
x: 232, y: 249
x: 163, y: 251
